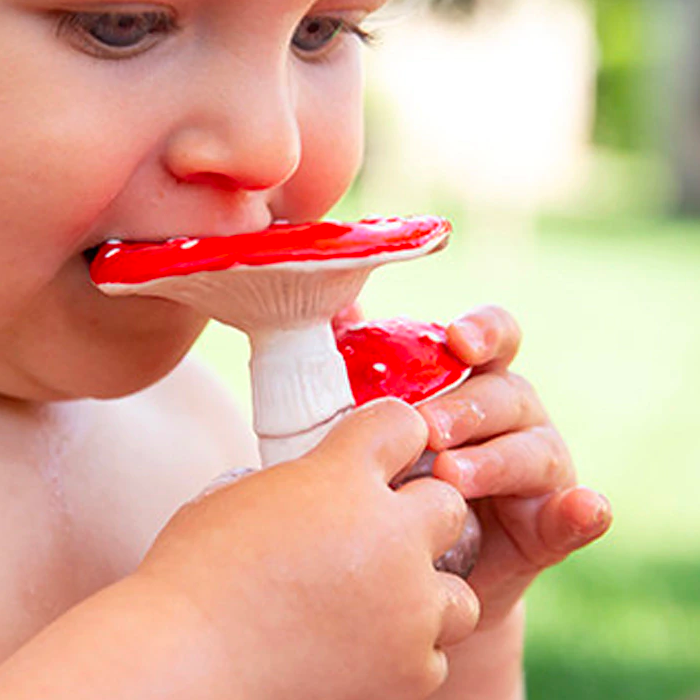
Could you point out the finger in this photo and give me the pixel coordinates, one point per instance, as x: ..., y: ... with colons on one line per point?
x: 487, y: 338
x: 529, y: 463
x: 484, y: 406
x: 573, y: 518
x: 437, y: 511
x: 461, y: 611
x: 439, y: 670
x: 349, y: 316
x: 548, y: 528
x: 384, y: 436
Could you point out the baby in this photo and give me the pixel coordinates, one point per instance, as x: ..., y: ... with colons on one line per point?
x: 314, y: 579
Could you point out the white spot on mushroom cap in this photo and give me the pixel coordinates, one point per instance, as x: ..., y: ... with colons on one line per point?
x: 379, y: 367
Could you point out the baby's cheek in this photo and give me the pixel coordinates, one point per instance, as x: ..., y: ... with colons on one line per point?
x: 64, y: 154
x: 330, y: 118
x: 326, y: 171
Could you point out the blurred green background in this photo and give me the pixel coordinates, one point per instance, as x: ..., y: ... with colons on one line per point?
x: 602, y: 273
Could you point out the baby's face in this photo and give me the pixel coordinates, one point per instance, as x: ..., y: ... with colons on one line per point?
x: 143, y: 120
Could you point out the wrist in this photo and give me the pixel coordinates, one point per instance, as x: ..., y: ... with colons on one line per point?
x: 489, y: 664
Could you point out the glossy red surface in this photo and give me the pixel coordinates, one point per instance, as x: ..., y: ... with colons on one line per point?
x: 398, y: 357
x: 133, y: 263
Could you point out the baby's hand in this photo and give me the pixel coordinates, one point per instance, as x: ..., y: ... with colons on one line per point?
x: 316, y: 578
x: 499, y: 448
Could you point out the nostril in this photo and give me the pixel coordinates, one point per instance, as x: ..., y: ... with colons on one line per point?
x: 215, y: 180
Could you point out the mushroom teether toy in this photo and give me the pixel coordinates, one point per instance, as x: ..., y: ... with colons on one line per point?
x: 410, y: 360
x: 282, y: 286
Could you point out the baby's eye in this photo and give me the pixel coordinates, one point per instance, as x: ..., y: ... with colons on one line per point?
x: 314, y: 34
x: 115, y: 34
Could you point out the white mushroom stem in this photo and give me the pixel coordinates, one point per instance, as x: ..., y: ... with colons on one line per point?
x: 281, y: 286
x: 300, y: 388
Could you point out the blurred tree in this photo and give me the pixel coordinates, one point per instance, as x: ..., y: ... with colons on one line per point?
x: 625, y: 118
x: 681, y: 95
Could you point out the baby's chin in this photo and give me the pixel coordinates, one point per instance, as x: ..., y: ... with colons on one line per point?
x: 133, y: 366
x: 109, y: 364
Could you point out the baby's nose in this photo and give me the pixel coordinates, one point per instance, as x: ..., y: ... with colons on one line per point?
x: 239, y: 132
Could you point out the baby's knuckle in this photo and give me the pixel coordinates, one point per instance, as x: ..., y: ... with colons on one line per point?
x: 497, y: 317
x: 435, y: 675
x: 562, y: 459
x: 496, y: 463
x: 524, y: 396
x: 453, y: 508
x: 513, y: 329
x: 558, y: 459
x: 491, y: 312
x: 422, y: 678
x: 523, y: 387
x: 465, y: 602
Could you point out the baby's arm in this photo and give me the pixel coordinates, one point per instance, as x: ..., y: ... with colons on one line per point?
x: 314, y: 563
x: 501, y: 451
x: 128, y: 641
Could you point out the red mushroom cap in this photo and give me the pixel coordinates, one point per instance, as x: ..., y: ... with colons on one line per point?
x: 135, y: 263
x: 399, y: 357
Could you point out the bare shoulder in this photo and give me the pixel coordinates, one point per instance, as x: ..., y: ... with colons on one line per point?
x: 148, y: 453
x: 194, y: 398
x: 170, y: 440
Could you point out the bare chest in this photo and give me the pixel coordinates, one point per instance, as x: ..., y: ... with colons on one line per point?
x: 82, y: 496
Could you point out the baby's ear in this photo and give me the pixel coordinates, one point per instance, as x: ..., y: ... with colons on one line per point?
x: 347, y: 317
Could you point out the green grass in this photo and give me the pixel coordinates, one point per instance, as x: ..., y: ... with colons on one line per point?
x: 612, y: 341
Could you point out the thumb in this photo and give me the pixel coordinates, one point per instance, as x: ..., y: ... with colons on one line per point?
x: 348, y: 316
x: 383, y: 436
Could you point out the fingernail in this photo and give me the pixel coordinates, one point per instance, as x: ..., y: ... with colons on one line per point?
x: 598, y: 522
x: 473, y: 335
x: 602, y: 517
